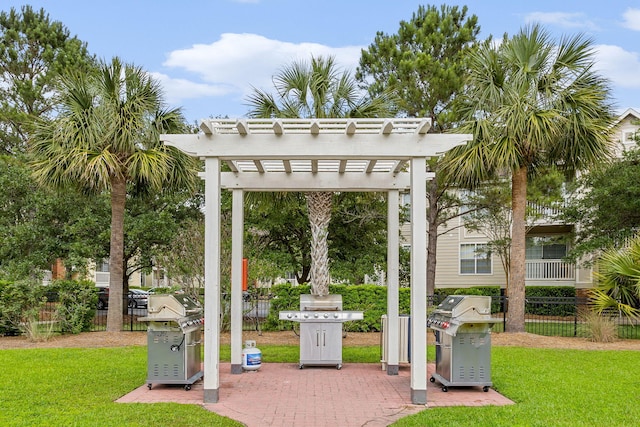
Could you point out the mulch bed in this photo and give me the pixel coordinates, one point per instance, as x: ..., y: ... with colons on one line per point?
x: 352, y: 339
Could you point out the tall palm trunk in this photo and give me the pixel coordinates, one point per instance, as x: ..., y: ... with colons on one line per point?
x: 319, y: 206
x: 516, y: 288
x: 116, y: 260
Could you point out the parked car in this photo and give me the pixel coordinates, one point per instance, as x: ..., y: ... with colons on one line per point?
x: 137, y: 298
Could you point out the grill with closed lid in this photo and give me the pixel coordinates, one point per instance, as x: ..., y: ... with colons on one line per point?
x: 321, y: 319
x: 462, y: 327
x: 174, y: 338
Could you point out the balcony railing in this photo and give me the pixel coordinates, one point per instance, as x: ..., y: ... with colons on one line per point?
x: 547, y: 212
x: 549, y: 269
x: 102, y: 278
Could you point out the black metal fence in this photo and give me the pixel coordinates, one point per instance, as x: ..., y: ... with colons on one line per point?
x: 562, y: 316
x: 551, y: 316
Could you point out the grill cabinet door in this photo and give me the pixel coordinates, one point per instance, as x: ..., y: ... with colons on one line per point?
x: 320, y: 343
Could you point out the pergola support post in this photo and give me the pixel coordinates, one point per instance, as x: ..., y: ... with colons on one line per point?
x: 212, y: 281
x: 237, y: 243
x: 393, y: 282
x: 418, y: 281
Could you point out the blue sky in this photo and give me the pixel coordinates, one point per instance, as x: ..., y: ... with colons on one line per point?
x: 208, y: 54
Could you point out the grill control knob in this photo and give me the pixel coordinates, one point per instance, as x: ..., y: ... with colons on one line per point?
x: 326, y: 315
x: 335, y: 315
x: 306, y: 316
x: 315, y: 315
x: 289, y: 316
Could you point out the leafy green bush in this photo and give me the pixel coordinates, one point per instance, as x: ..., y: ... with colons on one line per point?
x: 20, y: 305
x: 76, y: 302
x: 541, y: 308
x: 371, y: 299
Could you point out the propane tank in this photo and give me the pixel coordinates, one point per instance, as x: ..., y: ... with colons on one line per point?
x: 251, y: 356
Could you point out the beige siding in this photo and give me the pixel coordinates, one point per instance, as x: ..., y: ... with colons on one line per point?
x: 448, y: 262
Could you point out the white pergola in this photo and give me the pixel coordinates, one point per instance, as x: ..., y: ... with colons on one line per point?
x: 386, y: 155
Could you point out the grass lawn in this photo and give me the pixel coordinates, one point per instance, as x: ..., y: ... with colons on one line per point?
x: 77, y: 387
x: 552, y: 388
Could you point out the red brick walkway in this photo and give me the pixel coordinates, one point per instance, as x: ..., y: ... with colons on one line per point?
x: 280, y: 394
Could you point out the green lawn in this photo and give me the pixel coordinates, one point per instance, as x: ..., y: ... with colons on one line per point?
x: 77, y: 387
x: 552, y: 388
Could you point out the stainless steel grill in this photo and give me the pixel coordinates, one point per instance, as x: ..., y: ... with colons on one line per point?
x: 174, y: 337
x: 321, y: 321
x: 462, y: 326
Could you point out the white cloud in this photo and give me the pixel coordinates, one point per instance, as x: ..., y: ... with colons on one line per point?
x: 620, y: 66
x: 632, y: 19
x: 176, y: 90
x: 561, y: 19
x: 235, y: 62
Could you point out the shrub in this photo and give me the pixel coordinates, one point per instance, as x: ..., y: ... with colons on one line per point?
x: 20, y: 305
x: 564, y: 306
x: 76, y: 302
x: 371, y: 299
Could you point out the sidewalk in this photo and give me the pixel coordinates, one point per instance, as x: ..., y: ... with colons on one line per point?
x: 281, y: 394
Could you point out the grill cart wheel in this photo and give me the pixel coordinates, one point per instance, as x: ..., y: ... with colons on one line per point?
x: 187, y: 387
x: 433, y: 380
x: 485, y: 389
x: 445, y: 388
x: 339, y: 366
x: 149, y: 385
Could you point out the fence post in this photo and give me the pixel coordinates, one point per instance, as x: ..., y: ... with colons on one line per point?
x: 575, y: 316
x: 505, y: 308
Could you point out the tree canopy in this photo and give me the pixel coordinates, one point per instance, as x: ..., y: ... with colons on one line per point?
x: 34, y: 51
x: 424, y: 63
x: 605, y: 205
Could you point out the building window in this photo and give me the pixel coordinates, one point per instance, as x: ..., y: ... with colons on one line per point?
x: 475, y: 258
x: 102, y: 266
x: 545, y: 247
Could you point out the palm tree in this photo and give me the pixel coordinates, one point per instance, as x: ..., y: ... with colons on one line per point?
x: 317, y: 89
x: 106, y: 138
x: 618, y: 278
x: 531, y: 102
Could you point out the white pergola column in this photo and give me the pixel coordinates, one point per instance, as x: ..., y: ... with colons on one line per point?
x: 419, y: 281
x: 237, y: 244
x: 212, y: 280
x: 393, y: 282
